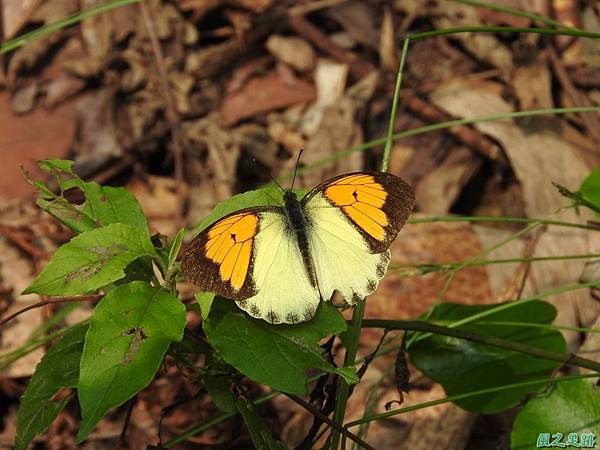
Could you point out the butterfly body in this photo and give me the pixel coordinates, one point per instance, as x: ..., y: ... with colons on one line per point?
x: 299, y: 224
x: 278, y: 262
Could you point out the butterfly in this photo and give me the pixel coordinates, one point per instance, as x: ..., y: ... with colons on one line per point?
x: 278, y: 263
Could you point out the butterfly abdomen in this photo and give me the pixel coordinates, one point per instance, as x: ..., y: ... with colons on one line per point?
x: 298, y: 224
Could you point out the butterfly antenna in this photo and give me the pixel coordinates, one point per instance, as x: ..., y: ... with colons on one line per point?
x: 296, y: 168
x: 270, y: 176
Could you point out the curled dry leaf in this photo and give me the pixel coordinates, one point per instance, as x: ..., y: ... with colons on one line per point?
x: 217, y: 178
x: 27, y: 56
x: 96, y: 33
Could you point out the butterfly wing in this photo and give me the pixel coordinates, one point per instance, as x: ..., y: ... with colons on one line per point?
x: 353, y: 219
x: 220, y: 258
x: 252, y: 257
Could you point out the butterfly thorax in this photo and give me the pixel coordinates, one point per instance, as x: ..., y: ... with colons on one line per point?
x: 298, y: 224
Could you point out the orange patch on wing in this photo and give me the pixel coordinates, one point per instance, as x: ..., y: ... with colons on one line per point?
x: 365, y: 222
x: 374, y: 213
x: 361, y: 198
x: 241, y: 265
x: 229, y: 245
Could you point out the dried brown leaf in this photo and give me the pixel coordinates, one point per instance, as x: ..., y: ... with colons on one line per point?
x: 358, y: 20
x: 263, y: 94
x: 23, y: 99
x: 292, y: 50
x: 440, y: 188
x: 533, y: 86
x: 15, y: 14
x: 387, y: 42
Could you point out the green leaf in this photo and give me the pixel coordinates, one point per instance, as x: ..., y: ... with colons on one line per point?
x: 58, y: 369
x: 92, y: 260
x: 567, y: 407
x: 60, y: 165
x: 259, y: 432
x: 275, y: 355
x: 269, y: 196
x: 205, y: 300
x: 462, y: 366
x: 174, y: 249
x: 219, y: 388
x: 130, y: 331
x: 138, y: 270
x: 107, y: 204
x: 103, y: 204
x: 590, y: 188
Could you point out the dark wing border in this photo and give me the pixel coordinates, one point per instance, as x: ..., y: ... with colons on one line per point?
x: 397, y: 207
x: 204, y: 273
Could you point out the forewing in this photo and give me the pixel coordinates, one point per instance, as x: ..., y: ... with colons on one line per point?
x: 377, y: 204
x: 221, y: 258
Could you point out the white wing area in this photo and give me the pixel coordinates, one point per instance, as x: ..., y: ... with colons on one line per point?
x: 285, y: 294
x: 340, y: 254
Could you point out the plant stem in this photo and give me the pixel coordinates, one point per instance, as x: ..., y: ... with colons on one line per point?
x: 453, y: 398
x: 442, y: 267
x: 427, y: 327
x: 389, y: 140
x: 62, y: 23
x: 353, y: 333
x: 332, y: 423
x: 500, y: 29
x: 484, y: 252
x: 509, y: 219
x: 352, y: 338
